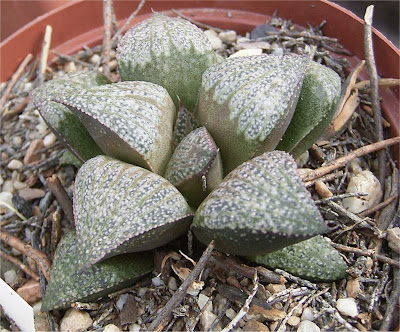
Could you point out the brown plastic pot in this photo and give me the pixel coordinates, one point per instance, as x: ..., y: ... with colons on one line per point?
x: 81, y: 23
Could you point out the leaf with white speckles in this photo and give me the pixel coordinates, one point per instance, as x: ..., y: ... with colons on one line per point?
x: 317, y: 103
x: 168, y: 51
x: 313, y: 259
x: 185, y: 123
x: 130, y: 121
x: 259, y: 207
x: 69, y: 284
x: 195, y: 167
x: 121, y: 208
x: 66, y: 126
x: 246, y: 103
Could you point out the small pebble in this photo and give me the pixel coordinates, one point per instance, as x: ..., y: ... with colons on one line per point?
x: 251, y: 45
x: 70, y: 67
x: 227, y: 36
x: 172, y: 285
x: 95, y: 59
x: 230, y: 313
x: 206, y: 319
x: 75, y: 320
x: 247, y: 52
x: 157, y: 281
x: 393, y: 237
x: 307, y: 314
x: 8, y: 186
x: 275, y: 288
x: 30, y: 291
x: 353, y: 288
x: 10, y: 276
x: 202, y: 300
x: 49, y: 140
x: 15, y: 164
x: 111, y: 328
x: 253, y: 325
x: 121, y: 301
x: 31, y: 154
x: 134, y: 328
x: 17, y: 140
x: 308, y: 326
x: 30, y: 194
x: 19, y: 185
x: 216, y: 43
x: 1, y: 180
x: 277, y: 51
x: 347, y: 306
x: 294, y: 321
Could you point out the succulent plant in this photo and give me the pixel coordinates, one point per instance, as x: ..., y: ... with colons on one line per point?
x: 171, y: 52
x: 260, y: 207
x: 122, y: 208
x: 246, y: 103
x: 313, y: 259
x: 68, y: 284
x: 184, y: 125
x: 314, y: 111
x: 61, y: 119
x: 195, y: 167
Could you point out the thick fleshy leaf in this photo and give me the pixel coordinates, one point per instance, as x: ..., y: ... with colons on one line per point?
x: 66, y: 126
x: 171, y: 52
x: 195, y: 167
x: 316, y: 106
x: 69, y: 284
x: 121, y: 208
x: 260, y: 207
x: 130, y: 121
x: 313, y: 259
x: 185, y: 123
x: 246, y: 103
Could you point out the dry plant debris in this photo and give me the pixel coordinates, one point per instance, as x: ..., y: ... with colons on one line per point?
x: 219, y: 292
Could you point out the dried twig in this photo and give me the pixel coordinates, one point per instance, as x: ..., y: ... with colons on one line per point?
x: 7, y: 114
x: 282, y: 326
x: 199, y: 24
x: 160, y: 321
x: 13, y: 80
x: 21, y: 265
x: 369, y: 56
x: 245, y: 308
x: 107, y: 17
x: 39, y: 257
x: 61, y: 195
x: 44, y: 55
x: 128, y: 21
x: 378, y: 207
x: 367, y: 253
x: 382, y: 82
x: 335, y: 164
x: 297, y: 280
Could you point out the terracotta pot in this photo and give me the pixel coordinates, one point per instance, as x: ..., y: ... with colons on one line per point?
x: 81, y: 23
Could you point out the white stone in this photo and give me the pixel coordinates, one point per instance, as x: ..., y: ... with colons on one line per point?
x: 230, y: 313
x: 75, y: 320
x: 247, y: 52
x: 6, y: 198
x: 134, y: 328
x: 308, y: 326
x: 121, y: 301
x: 393, y: 237
x: 19, y: 185
x: 17, y: 140
x: 206, y: 319
x: 70, y: 67
x: 15, y: 164
x: 227, y: 36
x: 10, y: 276
x: 216, y: 43
x: 172, y: 284
x: 363, y: 182
x: 1, y: 180
x: 49, y: 140
x: 277, y: 51
x: 111, y: 328
x: 307, y: 314
x: 8, y: 186
x: 347, y: 306
x: 95, y: 59
x: 202, y: 300
x: 157, y: 281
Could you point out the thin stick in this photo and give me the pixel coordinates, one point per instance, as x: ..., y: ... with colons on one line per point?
x: 39, y: 257
x: 335, y: 164
x: 297, y: 280
x: 199, y: 24
x: 371, y: 254
x: 21, y: 265
x: 107, y: 17
x: 160, y: 321
x: 128, y: 21
x: 44, y: 55
x: 13, y: 80
x: 245, y: 308
x: 379, y: 206
x: 369, y: 57
x: 383, y: 82
x: 7, y: 114
x: 61, y: 195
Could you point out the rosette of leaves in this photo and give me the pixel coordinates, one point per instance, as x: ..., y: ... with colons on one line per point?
x: 260, y: 207
x: 195, y: 167
x: 246, y: 103
x: 60, y: 119
x: 68, y: 284
x: 122, y: 208
x: 171, y: 52
x: 319, y: 96
x: 130, y: 121
x: 313, y: 259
